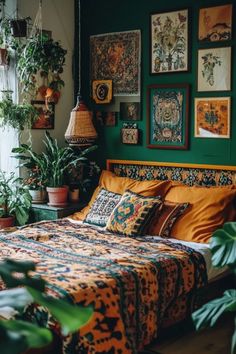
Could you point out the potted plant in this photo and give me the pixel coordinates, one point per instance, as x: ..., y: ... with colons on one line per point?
x: 17, y: 116
x: 223, y: 246
x: 43, y: 55
x: 15, y: 200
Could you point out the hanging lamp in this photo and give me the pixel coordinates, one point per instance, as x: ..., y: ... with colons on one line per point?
x: 80, y: 131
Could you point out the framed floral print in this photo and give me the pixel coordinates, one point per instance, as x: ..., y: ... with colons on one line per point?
x: 212, y: 117
x: 215, y: 23
x: 130, y: 111
x: 167, y: 116
x: 46, y: 115
x: 214, y: 69
x: 117, y: 57
x: 169, y: 42
x: 102, y: 91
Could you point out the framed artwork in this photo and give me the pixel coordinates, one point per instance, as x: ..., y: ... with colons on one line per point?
x: 130, y: 135
x: 214, y: 69
x: 116, y: 56
x: 167, y: 116
x: 169, y: 42
x: 130, y: 111
x: 107, y: 119
x: 215, y: 23
x: 212, y: 117
x: 46, y: 115
x: 102, y: 91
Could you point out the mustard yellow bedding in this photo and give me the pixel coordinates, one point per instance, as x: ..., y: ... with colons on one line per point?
x: 130, y: 282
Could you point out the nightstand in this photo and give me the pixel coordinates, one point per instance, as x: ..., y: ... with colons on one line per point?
x: 40, y: 212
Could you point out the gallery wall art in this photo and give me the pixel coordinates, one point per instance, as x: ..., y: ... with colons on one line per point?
x: 169, y: 42
x: 214, y: 69
x: 167, y: 116
x: 212, y: 117
x: 215, y: 23
x: 116, y: 56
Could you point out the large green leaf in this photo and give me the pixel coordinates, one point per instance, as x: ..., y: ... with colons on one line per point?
x: 223, y: 246
x: 209, y: 313
x: 71, y: 317
x: 18, y: 336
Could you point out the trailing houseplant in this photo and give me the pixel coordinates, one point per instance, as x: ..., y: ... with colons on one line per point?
x: 223, y: 248
x: 18, y: 334
x: 41, y: 55
x: 17, y: 116
x: 15, y: 200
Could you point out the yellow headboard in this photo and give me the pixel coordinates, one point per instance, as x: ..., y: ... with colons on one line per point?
x: 190, y: 174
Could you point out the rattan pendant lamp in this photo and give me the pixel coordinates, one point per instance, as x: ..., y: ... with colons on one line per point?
x: 80, y: 131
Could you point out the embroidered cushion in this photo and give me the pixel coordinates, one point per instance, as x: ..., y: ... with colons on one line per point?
x: 102, y: 207
x: 132, y: 214
x: 165, y: 218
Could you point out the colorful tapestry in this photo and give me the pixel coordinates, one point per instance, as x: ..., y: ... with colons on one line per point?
x: 131, y: 283
x: 116, y: 56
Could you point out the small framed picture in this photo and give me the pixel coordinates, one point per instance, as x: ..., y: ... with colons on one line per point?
x: 169, y: 42
x: 107, y: 119
x: 46, y: 115
x: 212, y: 117
x: 214, y: 69
x: 167, y: 116
x: 102, y: 91
x: 130, y: 111
x: 130, y: 135
x: 215, y: 23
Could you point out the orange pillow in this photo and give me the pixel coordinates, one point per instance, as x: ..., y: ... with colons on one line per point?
x: 115, y: 184
x: 209, y: 209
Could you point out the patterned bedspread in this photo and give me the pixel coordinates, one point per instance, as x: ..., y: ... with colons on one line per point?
x: 130, y: 282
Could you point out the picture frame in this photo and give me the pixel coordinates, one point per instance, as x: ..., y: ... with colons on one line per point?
x: 212, y: 117
x: 130, y: 136
x: 46, y: 119
x: 215, y: 23
x: 214, y: 69
x: 102, y: 91
x: 168, y: 116
x: 107, y: 119
x: 169, y: 42
x: 117, y: 56
x: 130, y: 111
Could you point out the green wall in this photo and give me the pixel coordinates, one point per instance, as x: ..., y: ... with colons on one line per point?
x: 106, y: 16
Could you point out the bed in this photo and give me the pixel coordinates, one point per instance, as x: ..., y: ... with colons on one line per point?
x: 139, y: 282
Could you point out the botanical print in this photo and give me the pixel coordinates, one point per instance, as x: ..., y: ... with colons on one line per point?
x: 215, y: 23
x: 169, y: 42
x: 116, y: 57
x: 212, y: 117
x: 129, y: 135
x: 46, y: 115
x: 214, y: 69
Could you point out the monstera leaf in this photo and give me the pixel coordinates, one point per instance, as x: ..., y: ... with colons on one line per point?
x: 223, y: 246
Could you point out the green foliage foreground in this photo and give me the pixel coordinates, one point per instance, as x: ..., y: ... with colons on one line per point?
x: 17, y: 335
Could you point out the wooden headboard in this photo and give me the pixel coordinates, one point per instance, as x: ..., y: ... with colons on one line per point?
x: 190, y: 174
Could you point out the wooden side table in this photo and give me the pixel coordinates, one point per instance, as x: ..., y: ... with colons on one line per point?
x: 40, y: 212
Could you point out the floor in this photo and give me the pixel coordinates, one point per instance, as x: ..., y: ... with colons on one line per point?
x: 215, y: 340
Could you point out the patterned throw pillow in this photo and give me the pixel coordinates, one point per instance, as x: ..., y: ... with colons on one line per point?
x: 165, y: 219
x: 102, y: 207
x: 132, y: 214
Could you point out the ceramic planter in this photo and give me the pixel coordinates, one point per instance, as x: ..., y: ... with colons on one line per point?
x: 74, y: 195
x: 7, y: 222
x: 58, y: 196
x: 38, y: 196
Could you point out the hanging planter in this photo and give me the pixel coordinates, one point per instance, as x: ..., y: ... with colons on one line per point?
x: 18, y: 27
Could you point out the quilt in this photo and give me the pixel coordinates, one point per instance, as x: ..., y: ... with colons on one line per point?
x: 131, y: 282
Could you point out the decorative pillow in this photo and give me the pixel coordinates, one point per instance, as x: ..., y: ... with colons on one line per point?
x: 164, y: 220
x: 132, y: 214
x: 115, y: 184
x: 102, y: 207
x: 210, y: 208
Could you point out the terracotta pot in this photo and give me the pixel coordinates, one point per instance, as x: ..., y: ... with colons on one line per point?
x: 7, y: 222
x: 4, y: 60
x: 58, y: 196
x: 74, y: 195
x: 38, y: 196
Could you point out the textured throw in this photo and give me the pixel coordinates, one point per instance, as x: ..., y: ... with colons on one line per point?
x: 130, y: 282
